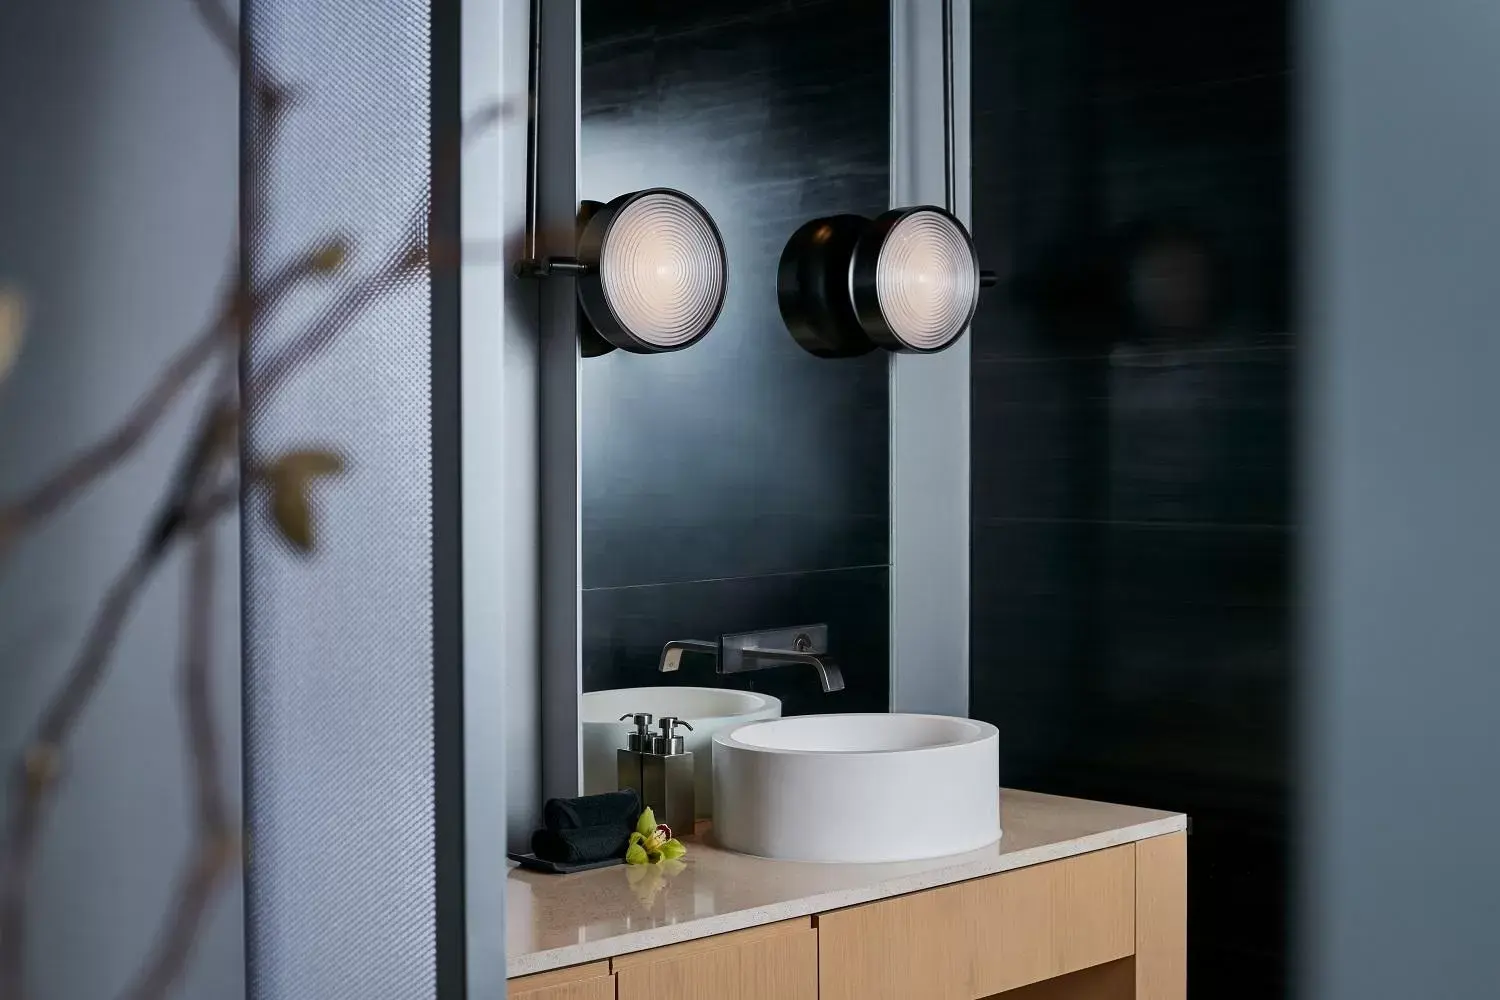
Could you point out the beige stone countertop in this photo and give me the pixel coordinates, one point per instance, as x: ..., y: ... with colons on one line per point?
x: 553, y: 921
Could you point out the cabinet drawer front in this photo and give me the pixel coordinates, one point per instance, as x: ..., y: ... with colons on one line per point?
x: 582, y: 982
x: 589, y: 989
x: 783, y: 966
x: 977, y: 938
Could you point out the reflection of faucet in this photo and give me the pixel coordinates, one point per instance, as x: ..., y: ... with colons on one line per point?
x: 744, y: 651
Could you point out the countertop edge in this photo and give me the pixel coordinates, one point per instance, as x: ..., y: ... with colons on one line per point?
x: 691, y: 930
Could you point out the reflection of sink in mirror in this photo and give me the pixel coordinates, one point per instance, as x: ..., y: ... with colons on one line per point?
x: 708, y: 710
x: 858, y: 787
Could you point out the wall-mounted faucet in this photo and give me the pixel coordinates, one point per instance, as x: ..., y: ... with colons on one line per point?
x: 743, y: 651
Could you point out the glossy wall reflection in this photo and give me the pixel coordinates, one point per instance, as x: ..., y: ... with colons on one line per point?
x: 1132, y: 419
x: 741, y: 483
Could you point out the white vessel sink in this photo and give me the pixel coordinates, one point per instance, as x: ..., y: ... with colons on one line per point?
x: 857, y: 787
x: 708, y: 710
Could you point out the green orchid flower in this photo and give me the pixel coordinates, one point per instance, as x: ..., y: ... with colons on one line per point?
x: 652, y: 842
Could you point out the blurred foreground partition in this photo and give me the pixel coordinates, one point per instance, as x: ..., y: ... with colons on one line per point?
x: 1401, y: 209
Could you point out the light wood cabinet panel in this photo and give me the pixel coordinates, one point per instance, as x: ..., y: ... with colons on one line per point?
x: 777, y: 962
x: 1110, y: 981
x: 580, y: 982
x: 589, y: 989
x: 973, y: 939
x: 1161, y: 918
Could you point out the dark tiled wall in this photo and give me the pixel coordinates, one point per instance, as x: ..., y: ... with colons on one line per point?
x: 1133, y: 521
x: 742, y: 483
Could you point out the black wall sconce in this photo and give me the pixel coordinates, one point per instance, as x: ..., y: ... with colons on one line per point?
x: 650, y: 265
x: 651, y: 272
x: 907, y: 280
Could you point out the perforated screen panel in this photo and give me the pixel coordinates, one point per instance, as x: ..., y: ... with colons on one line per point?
x: 342, y: 881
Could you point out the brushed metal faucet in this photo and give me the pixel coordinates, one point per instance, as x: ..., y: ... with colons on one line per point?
x: 740, y: 652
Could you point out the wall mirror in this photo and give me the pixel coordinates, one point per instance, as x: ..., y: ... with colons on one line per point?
x: 741, y: 484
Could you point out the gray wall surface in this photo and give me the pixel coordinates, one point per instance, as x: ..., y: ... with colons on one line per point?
x: 118, y: 184
x: 1403, y: 214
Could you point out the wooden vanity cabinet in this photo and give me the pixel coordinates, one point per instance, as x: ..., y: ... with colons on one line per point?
x: 1106, y: 925
x: 974, y: 939
x: 774, y: 962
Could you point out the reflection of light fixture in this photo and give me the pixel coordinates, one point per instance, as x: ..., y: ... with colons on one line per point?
x: 651, y: 272
x: 907, y: 281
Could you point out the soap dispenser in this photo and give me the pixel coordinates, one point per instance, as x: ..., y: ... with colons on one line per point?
x: 667, y: 777
x: 628, y: 769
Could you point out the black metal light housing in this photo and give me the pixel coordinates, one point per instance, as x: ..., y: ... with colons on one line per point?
x: 812, y: 287
x: 907, y: 280
x: 650, y: 265
x: 651, y: 270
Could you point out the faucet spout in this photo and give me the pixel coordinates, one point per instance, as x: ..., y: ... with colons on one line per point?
x: 807, y: 644
x: 829, y: 674
x: 745, y: 651
x: 671, y: 653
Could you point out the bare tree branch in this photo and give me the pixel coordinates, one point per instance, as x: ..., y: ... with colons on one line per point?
x: 65, y: 484
x: 416, y: 252
x: 36, y: 774
x: 221, y: 26
x: 195, y: 891
x: 35, y: 778
x: 485, y: 117
x: 216, y: 851
x: 401, y: 266
x: 188, y: 507
x: 103, y: 455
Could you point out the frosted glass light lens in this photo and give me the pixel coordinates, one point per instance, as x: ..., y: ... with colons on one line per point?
x: 927, y: 280
x: 662, y: 269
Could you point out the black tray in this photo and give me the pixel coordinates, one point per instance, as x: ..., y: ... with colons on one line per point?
x: 536, y: 864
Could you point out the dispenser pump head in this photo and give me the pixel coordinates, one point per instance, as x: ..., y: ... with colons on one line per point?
x: 668, y: 744
x: 640, y: 740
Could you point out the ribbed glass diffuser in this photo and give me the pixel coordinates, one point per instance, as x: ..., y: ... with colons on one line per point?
x: 662, y: 270
x: 926, y: 280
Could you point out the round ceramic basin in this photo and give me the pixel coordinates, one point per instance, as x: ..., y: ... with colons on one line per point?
x: 708, y: 710
x: 857, y: 788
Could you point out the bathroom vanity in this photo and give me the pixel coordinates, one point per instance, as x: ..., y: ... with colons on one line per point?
x: 1079, y: 901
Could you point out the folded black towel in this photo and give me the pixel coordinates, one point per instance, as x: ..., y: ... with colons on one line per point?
x: 581, y: 846
x: 609, y: 809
